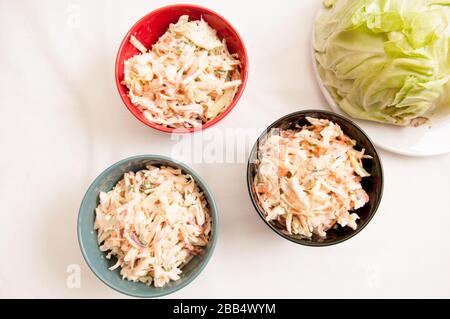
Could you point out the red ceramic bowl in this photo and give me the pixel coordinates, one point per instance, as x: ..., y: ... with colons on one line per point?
x: 151, y: 27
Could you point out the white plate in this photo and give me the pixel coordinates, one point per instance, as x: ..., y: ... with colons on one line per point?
x: 410, y: 141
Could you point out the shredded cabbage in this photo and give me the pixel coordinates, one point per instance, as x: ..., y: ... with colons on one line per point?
x: 309, y: 180
x: 187, y: 79
x: 386, y: 60
x: 153, y: 222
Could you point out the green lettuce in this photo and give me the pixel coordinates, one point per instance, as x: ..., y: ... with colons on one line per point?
x: 386, y: 60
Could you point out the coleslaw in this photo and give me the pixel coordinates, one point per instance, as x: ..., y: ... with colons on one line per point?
x: 153, y: 222
x: 309, y: 180
x: 188, y: 77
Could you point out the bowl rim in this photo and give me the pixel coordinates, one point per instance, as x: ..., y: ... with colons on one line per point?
x: 250, y: 178
x: 213, y: 211
x: 159, y: 127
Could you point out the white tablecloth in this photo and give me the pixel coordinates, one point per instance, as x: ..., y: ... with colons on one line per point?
x: 62, y: 123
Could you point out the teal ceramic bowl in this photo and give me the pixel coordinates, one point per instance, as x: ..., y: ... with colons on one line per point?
x: 87, y: 236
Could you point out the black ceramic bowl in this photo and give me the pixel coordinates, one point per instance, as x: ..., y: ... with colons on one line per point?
x: 373, y: 185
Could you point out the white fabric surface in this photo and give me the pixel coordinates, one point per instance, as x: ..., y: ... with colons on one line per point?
x: 62, y: 123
